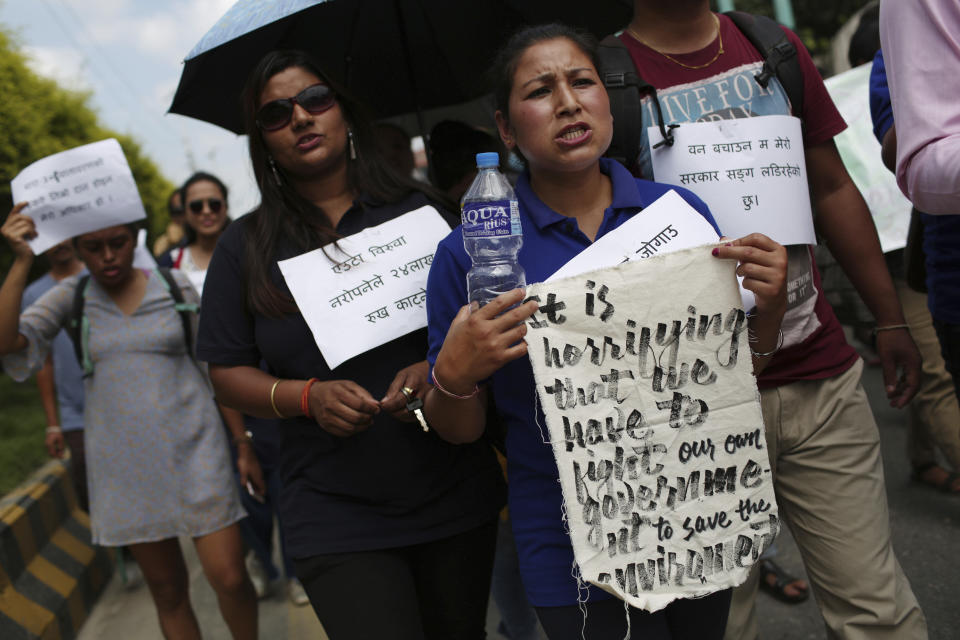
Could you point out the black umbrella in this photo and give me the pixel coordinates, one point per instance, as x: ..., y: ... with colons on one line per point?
x: 395, y: 56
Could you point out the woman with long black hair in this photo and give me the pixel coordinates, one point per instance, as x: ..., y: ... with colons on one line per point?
x: 391, y: 528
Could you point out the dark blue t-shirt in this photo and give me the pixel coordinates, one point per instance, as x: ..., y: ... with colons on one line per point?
x: 392, y: 485
x: 550, y: 240
x: 881, y: 109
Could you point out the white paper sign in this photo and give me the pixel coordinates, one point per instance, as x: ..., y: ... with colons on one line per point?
x: 644, y: 374
x: 669, y: 224
x: 860, y: 152
x: 370, y: 290
x: 78, y: 191
x: 750, y: 171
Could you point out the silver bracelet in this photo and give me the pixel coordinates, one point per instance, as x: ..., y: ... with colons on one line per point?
x: 775, y: 349
x: 54, y: 429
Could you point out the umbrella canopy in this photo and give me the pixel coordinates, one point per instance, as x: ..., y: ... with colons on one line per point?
x: 395, y: 56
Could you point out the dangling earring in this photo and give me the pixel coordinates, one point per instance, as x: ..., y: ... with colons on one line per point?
x: 273, y: 168
x: 353, y: 149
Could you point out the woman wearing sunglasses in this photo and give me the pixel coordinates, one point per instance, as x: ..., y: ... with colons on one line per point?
x: 204, y: 199
x: 391, y: 528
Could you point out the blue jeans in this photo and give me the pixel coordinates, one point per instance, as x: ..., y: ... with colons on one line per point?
x: 257, y: 528
x: 949, y: 335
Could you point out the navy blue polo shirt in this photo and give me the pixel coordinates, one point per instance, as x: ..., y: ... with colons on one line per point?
x: 550, y: 240
x: 390, y: 486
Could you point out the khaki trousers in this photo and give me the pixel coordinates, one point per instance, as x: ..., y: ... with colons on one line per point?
x: 934, y: 412
x: 824, y: 451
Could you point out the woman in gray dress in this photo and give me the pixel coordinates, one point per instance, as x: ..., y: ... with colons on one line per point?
x: 158, y: 460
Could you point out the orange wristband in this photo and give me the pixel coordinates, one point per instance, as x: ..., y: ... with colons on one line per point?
x: 305, y: 397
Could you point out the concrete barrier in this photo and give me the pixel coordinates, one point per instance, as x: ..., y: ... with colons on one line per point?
x: 50, y: 573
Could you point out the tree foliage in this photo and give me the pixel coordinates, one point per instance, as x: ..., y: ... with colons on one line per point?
x: 817, y: 20
x: 39, y: 118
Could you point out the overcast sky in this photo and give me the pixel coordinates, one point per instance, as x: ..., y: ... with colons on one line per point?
x: 129, y: 54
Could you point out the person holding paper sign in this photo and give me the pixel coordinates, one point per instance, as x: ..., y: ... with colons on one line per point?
x: 553, y: 109
x: 827, y: 466
x: 367, y: 494
x: 157, y: 457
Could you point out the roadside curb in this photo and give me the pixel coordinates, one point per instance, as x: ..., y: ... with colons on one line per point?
x: 50, y: 573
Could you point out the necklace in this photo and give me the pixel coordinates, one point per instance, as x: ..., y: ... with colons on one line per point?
x: 637, y: 37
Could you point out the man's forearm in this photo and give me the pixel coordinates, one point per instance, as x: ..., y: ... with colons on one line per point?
x: 48, y: 392
x: 845, y: 223
x: 843, y: 220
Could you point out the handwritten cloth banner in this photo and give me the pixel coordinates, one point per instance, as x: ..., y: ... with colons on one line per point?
x: 644, y: 374
x: 667, y: 225
x: 750, y: 171
x: 78, y: 191
x: 860, y: 152
x: 368, y: 288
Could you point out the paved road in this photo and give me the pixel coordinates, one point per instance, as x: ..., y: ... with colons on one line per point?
x: 925, y: 524
x: 129, y: 613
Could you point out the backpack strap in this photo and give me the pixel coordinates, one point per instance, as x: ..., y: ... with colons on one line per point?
x: 626, y: 88
x: 78, y: 328
x: 779, y: 55
x: 183, y: 308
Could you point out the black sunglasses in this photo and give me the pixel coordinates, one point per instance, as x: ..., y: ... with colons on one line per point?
x: 196, y: 206
x: 276, y: 114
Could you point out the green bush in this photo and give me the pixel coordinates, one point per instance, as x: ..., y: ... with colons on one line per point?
x: 38, y: 118
x: 22, y: 426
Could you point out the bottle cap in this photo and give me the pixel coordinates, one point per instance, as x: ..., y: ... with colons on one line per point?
x: 488, y: 159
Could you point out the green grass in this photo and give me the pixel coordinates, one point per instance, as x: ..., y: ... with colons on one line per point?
x: 21, y: 432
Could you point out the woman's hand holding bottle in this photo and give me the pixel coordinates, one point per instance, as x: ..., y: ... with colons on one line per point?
x: 480, y: 341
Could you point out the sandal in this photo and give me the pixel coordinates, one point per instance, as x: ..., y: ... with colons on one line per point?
x: 946, y: 485
x: 782, y: 580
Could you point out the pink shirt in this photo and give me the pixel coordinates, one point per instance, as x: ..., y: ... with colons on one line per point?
x: 921, y: 48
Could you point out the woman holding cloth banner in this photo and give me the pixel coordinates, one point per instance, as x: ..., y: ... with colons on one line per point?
x: 553, y: 109
x: 391, y: 528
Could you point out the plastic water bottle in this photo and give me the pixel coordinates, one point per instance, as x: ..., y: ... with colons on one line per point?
x: 491, y: 233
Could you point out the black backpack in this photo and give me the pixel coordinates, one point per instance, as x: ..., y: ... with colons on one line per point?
x: 626, y: 87
x: 78, y: 327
